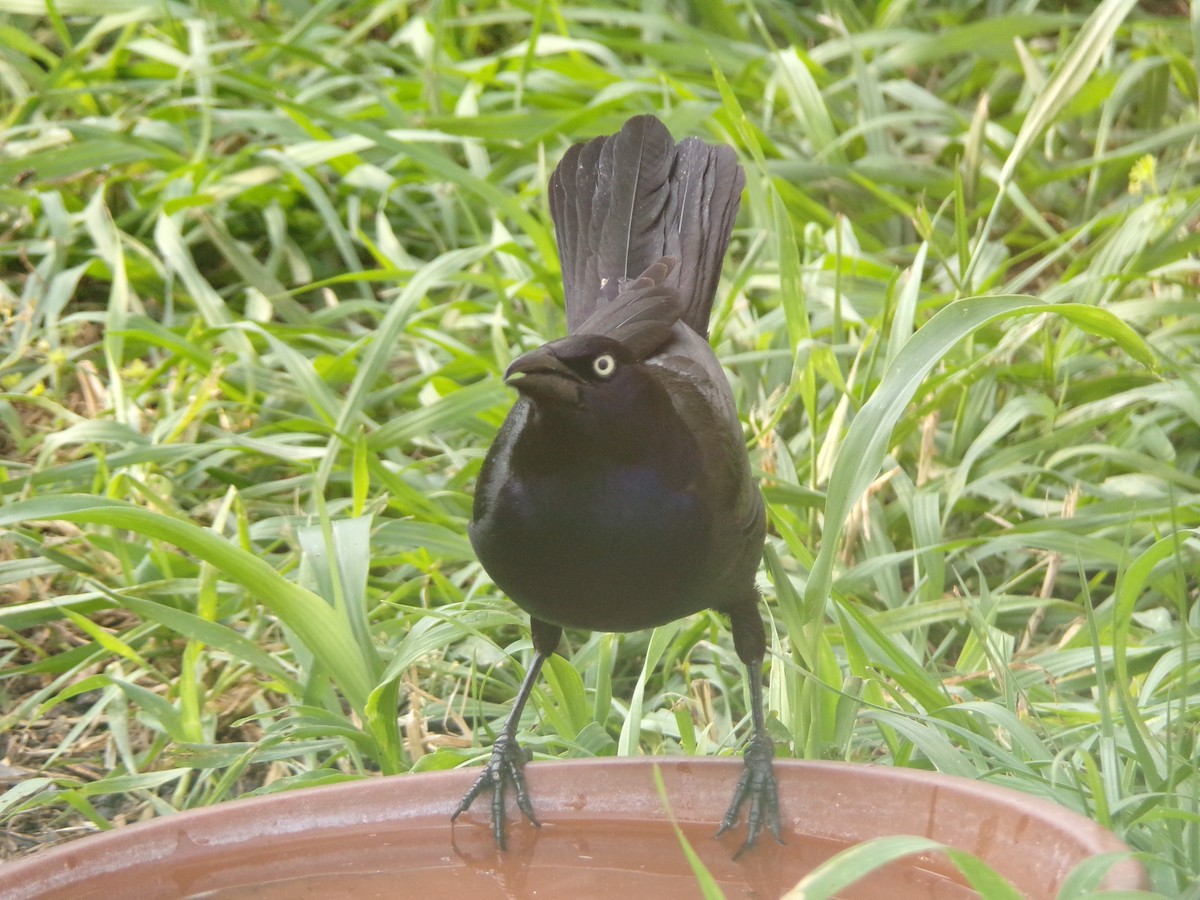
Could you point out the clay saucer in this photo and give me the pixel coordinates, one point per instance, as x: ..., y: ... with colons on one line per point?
x: 604, y: 829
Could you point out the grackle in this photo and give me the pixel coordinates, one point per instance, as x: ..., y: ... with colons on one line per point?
x: 617, y: 495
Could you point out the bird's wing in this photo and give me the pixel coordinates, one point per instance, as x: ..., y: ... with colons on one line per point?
x: 700, y: 394
x: 689, y: 356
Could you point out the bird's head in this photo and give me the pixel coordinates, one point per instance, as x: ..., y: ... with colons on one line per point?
x: 575, y: 371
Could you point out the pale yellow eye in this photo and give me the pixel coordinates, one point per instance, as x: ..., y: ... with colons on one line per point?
x: 604, y: 365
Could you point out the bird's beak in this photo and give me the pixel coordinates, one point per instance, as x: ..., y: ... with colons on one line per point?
x: 541, y: 375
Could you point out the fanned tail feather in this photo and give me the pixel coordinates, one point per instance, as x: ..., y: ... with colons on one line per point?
x: 622, y: 203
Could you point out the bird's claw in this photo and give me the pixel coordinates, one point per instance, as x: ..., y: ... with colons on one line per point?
x: 757, y: 785
x: 506, y: 767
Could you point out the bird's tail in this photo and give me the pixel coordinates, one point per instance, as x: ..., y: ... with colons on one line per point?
x: 623, y: 202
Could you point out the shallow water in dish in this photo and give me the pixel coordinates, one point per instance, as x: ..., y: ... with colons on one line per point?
x: 612, y: 857
x: 606, y: 834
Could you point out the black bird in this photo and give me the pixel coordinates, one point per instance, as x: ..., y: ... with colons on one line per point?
x: 618, y: 495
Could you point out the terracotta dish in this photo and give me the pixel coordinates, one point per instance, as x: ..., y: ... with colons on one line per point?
x: 605, y: 833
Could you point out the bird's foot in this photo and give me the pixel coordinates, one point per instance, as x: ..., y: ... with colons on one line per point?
x: 757, y: 785
x: 506, y: 767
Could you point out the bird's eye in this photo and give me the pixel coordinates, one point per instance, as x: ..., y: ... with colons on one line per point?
x: 604, y: 365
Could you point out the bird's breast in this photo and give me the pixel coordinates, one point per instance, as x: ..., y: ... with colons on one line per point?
x: 626, y: 504
x: 614, y: 548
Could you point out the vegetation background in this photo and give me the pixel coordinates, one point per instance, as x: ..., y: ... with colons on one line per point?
x: 264, y: 262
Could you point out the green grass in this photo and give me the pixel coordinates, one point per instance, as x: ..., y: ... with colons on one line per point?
x: 264, y: 262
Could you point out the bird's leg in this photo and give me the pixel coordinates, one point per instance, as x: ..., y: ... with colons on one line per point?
x: 507, y: 765
x: 757, y: 784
